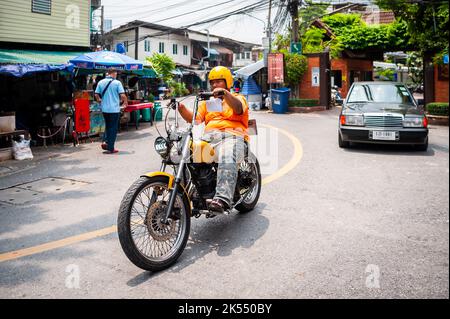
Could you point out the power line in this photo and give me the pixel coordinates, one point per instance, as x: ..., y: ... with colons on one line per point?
x: 251, y: 8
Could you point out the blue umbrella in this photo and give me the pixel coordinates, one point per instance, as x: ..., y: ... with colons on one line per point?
x: 106, y: 60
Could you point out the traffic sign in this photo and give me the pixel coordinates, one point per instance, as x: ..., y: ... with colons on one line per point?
x: 296, y: 47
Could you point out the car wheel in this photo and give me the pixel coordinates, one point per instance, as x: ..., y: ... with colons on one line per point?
x: 342, y: 143
x: 422, y: 147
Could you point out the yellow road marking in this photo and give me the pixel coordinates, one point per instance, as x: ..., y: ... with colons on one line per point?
x: 57, y: 244
x: 298, y: 153
x: 296, y: 158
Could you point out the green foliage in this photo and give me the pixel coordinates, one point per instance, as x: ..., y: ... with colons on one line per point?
x: 177, y: 89
x: 386, y: 36
x: 342, y: 22
x: 414, y: 63
x: 437, y: 109
x: 312, y: 40
x: 163, y: 65
x: 385, y: 74
x: 352, y: 33
x: 308, y: 14
x: 427, y: 22
x: 296, y: 66
x: 281, y: 43
x: 302, y: 102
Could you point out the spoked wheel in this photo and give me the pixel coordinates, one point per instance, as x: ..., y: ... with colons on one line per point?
x: 146, y: 240
x: 250, y: 194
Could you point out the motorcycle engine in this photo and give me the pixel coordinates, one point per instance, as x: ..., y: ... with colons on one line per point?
x: 204, y: 177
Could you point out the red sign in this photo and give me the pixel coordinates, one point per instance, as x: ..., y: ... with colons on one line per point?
x: 82, y: 116
x: 276, y: 67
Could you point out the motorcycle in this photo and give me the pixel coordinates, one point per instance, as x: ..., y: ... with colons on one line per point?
x: 155, y: 213
x: 336, y: 97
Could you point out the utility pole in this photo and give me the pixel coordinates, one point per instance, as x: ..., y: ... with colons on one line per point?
x: 269, y: 26
x: 293, y: 10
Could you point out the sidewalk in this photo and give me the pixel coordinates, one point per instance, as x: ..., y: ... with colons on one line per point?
x: 86, y: 148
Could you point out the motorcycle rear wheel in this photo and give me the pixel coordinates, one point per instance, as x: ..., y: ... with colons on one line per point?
x: 147, y: 242
x: 251, y: 196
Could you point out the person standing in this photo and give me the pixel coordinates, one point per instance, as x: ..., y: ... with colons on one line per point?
x: 111, y: 94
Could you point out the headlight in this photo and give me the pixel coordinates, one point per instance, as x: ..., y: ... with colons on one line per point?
x: 414, y: 122
x: 161, y: 146
x: 354, y: 120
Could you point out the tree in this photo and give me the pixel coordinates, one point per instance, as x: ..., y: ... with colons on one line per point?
x: 163, y: 65
x: 296, y: 66
x: 427, y: 23
x: 308, y: 14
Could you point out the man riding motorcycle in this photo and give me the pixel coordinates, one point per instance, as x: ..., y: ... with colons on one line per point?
x: 226, y: 126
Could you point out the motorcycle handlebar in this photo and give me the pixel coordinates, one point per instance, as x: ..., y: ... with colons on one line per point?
x: 207, y: 95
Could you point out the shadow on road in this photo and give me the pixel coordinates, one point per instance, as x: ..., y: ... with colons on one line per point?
x: 222, y: 234
x: 387, y: 149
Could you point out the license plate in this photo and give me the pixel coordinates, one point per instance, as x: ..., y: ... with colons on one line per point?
x: 383, y: 135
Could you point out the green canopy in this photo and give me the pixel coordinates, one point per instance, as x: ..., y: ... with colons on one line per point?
x: 36, y: 57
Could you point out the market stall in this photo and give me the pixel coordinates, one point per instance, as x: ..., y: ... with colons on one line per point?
x: 137, y: 81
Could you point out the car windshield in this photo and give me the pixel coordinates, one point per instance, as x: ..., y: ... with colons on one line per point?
x: 380, y: 93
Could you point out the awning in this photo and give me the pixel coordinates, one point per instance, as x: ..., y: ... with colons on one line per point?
x: 222, y: 50
x: 20, y: 70
x: 36, y: 57
x: 23, y: 62
x: 212, y: 51
x: 250, y: 69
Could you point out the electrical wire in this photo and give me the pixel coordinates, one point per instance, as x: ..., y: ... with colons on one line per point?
x: 251, y: 8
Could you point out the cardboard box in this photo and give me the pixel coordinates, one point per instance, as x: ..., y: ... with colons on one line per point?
x: 7, y: 122
x: 6, y: 154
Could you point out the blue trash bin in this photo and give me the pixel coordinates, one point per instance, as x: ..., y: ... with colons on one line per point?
x: 280, y: 100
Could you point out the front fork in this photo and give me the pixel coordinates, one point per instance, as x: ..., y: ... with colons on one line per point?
x: 178, y: 179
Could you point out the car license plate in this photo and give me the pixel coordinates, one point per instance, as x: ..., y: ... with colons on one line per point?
x: 383, y: 135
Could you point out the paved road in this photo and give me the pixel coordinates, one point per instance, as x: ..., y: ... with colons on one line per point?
x: 368, y: 222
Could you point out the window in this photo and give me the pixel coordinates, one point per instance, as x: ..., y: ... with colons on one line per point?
x: 125, y: 43
x: 247, y: 55
x: 147, y: 46
x: 161, y: 47
x: 185, y: 50
x: 175, y: 49
x: 237, y: 56
x: 41, y: 6
x: 242, y: 55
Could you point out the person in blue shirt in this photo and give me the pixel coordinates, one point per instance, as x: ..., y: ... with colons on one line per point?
x: 111, y: 94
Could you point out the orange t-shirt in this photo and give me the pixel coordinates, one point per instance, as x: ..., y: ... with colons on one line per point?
x: 226, y: 120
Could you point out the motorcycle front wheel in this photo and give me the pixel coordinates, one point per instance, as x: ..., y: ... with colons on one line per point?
x: 146, y: 241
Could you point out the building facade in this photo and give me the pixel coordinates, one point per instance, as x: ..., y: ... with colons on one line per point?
x: 47, y: 22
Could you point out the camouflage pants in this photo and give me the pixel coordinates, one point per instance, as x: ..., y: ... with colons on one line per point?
x: 231, y: 151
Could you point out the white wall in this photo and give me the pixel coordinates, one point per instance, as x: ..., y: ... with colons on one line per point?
x: 238, y: 61
x: 168, y: 41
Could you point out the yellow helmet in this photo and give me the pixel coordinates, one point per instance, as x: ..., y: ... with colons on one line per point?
x: 221, y: 73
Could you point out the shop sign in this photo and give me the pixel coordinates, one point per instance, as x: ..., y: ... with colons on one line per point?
x: 276, y: 68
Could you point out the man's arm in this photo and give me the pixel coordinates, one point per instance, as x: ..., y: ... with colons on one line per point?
x: 185, y: 113
x: 98, y: 98
x: 124, y: 99
x: 232, y: 101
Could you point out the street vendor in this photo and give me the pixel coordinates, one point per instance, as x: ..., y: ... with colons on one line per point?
x: 111, y: 95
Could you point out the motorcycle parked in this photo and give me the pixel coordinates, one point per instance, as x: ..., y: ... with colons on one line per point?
x: 336, y: 97
x: 155, y: 212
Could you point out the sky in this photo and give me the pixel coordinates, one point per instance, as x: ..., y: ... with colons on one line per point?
x: 242, y: 27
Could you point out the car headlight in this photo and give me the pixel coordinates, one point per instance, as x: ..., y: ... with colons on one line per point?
x: 414, y: 122
x: 354, y: 120
x: 161, y: 146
